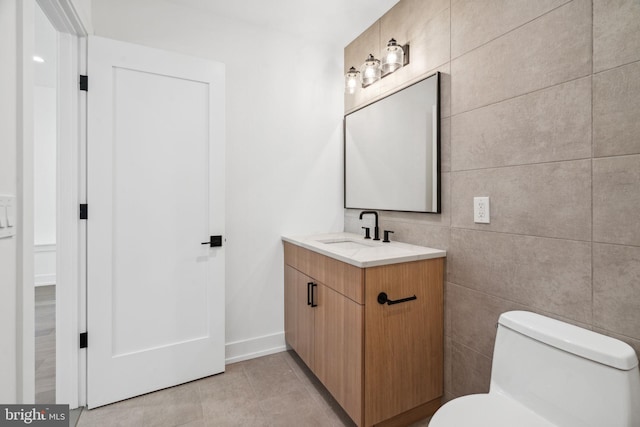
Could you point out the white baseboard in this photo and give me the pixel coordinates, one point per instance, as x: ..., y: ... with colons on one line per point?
x: 44, y: 264
x: 44, y: 279
x: 254, y: 347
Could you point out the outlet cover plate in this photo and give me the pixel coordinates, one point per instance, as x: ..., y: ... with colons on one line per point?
x: 481, y: 211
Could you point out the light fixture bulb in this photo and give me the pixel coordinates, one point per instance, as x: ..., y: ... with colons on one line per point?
x: 351, y: 80
x: 392, y: 58
x: 370, y: 71
x: 37, y: 58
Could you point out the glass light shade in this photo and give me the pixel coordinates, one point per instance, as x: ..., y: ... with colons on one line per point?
x: 351, y: 81
x: 393, y: 57
x: 371, y: 72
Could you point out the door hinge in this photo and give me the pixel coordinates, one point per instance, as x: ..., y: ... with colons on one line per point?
x: 84, y: 83
x: 84, y: 211
x: 83, y: 340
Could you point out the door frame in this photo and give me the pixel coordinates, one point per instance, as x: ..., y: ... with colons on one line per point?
x: 71, y: 190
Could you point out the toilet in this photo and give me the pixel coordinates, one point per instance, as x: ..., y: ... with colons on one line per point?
x: 550, y: 373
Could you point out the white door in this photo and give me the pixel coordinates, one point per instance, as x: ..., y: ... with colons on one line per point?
x: 155, y: 158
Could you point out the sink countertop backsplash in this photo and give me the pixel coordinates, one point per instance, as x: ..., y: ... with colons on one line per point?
x: 360, y: 252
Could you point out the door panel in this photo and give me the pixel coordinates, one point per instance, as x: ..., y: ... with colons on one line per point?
x: 405, y: 339
x: 291, y: 306
x: 305, y: 316
x: 149, y: 203
x: 299, y: 315
x: 339, y: 349
x: 155, y: 191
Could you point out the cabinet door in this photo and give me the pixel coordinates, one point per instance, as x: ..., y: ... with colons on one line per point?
x: 299, y: 315
x: 403, y: 342
x: 291, y: 306
x: 338, y: 348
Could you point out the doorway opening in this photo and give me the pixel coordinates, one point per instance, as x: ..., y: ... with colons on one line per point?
x: 54, y: 120
x: 45, y: 96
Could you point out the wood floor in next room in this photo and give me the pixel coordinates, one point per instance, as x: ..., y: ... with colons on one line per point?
x: 275, y: 390
x: 45, y: 344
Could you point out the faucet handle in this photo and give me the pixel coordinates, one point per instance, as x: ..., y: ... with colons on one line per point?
x: 367, y: 235
x: 386, y: 236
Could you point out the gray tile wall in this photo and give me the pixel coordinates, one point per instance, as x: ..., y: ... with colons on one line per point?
x: 541, y: 112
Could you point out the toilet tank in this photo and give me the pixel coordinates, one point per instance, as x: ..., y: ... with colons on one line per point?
x: 569, y: 375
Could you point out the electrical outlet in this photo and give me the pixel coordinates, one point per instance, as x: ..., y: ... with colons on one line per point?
x: 481, y: 212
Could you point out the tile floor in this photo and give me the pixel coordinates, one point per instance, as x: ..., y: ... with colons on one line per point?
x: 45, y: 344
x: 275, y: 390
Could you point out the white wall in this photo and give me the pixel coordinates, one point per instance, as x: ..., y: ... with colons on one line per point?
x: 44, y: 183
x: 284, y: 146
x: 8, y: 365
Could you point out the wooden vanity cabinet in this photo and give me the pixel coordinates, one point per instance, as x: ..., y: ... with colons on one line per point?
x: 299, y: 317
x: 382, y: 363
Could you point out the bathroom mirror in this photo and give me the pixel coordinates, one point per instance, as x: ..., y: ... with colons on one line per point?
x: 392, y: 151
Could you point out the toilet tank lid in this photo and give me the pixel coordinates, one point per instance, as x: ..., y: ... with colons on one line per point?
x: 572, y: 339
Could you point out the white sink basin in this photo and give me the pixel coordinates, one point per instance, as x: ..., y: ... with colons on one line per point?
x: 345, y: 243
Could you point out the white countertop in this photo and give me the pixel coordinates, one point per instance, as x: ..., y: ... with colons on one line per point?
x: 355, y: 250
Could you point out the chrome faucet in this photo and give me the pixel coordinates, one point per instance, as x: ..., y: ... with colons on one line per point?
x: 376, y: 231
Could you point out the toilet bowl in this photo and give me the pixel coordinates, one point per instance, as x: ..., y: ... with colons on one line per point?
x: 550, y: 373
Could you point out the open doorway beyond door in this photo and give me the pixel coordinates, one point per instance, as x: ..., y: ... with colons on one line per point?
x: 45, y: 135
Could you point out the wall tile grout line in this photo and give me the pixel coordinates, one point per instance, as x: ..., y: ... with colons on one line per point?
x: 610, y: 156
x: 517, y: 165
x: 592, y: 157
x: 624, y: 245
x: 596, y: 73
x: 509, y: 233
x: 468, y: 287
x: 521, y: 95
x: 511, y: 30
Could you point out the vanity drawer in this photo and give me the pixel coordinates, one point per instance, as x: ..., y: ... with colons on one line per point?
x: 337, y: 275
x: 344, y: 279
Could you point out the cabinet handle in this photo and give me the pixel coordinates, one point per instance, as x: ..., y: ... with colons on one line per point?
x: 313, y: 303
x: 309, y: 293
x: 384, y: 299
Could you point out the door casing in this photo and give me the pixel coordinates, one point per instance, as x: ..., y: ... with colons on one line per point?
x: 70, y: 368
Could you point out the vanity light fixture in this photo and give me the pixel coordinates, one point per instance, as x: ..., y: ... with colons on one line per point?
x: 394, y: 57
x: 351, y: 80
x: 371, y: 71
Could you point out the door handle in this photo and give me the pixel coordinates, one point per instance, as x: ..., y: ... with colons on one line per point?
x: 384, y: 299
x: 214, y: 241
x: 309, y: 293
